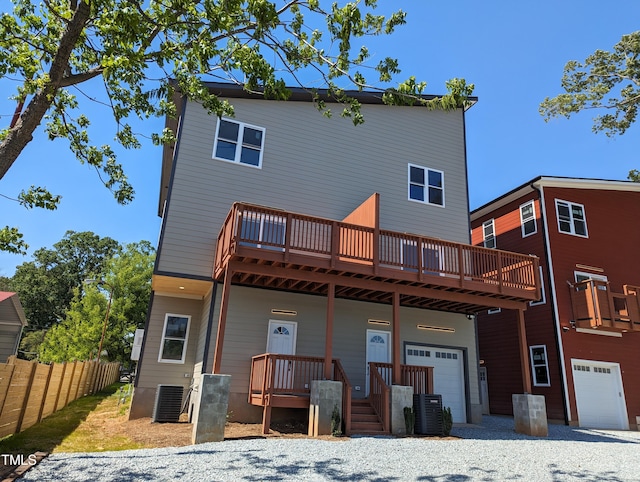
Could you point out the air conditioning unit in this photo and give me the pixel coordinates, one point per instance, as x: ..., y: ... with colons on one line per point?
x: 168, y: 404
x: 428, y: 410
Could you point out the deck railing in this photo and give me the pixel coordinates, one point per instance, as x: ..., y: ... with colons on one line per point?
x: 339, y: 375
x: 418, y: 377
x: 276, y: 374
x: 379, y: 396
x: 335, y: 241
x: 595, y: 305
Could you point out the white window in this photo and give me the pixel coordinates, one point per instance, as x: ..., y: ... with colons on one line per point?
x: 581, y: 276
x: 489, y: 234
x: 239, y: 142
x: 528, y: 219
x: 426, y: 185
x: 540, y: 365
x: 175, y: 334
x: 571, y: 218
x: 542, y: 299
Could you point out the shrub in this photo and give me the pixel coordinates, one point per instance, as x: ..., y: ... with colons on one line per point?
x: 336, y: 422
x: 447, y: 421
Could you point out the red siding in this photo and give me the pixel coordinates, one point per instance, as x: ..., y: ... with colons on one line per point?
x: 612, y: 247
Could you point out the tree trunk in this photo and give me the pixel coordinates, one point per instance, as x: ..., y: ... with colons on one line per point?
x: 22, y: 133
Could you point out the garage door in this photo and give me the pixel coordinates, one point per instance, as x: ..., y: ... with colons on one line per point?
x: 599, y: 395
x: 448, y: 375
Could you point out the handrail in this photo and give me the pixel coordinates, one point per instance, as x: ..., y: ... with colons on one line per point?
x: 416, y: 376
x: 276, y: 230
x: 379, y: 396
x: 340, y: 375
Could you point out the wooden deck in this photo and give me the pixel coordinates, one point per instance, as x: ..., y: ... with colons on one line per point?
x: 265, y: 247
x: 284, y: 381
x: 595, y: 306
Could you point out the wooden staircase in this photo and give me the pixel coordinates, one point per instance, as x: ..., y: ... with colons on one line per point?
x: 364, y: 420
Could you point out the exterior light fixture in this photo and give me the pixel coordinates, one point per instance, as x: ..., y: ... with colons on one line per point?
x: 378, y: 322
x: 444, y: 329
x: 276, y: 311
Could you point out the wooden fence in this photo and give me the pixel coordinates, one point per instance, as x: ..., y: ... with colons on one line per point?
x: 31, y: 391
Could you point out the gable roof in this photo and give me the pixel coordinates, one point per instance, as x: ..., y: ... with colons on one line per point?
x: 12, y: 298
x: 553, y: 181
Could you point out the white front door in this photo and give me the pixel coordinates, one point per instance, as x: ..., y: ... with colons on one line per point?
x: 599, y: 394
x: 281, y: 339
x: 448, y: 375
x: 378, y: 350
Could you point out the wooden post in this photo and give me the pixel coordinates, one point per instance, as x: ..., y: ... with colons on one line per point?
x: 25, y: 402
x: 222, y: 321
x: 328, y: 343
x: 44, y: 395
x: 396, y: 338
x: 524, y: 353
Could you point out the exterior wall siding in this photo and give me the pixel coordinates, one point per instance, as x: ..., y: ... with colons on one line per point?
x: 317, y: 166
x: 497, y: 333
x: 247, y: 324
x: 611, y: 246
x: 610, y: 249
x: 154, y: 372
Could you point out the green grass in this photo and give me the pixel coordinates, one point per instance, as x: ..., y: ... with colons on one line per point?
x: 75, y: 428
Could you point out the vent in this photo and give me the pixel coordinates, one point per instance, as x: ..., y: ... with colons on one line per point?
x: 168, y: 403
x: 428, y: 410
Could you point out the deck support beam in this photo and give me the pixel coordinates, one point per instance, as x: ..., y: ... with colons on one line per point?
x: 328, y: 344
x: 222, y: 321
x: 396, y: 338
x: 524, y: 353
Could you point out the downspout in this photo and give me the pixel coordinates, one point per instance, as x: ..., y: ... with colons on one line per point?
x: 556, y: 316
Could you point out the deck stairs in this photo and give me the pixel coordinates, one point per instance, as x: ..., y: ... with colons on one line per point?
x: 364, y: 420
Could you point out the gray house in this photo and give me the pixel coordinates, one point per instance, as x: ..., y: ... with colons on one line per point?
x: 297, y: 247
x: 12, y: 321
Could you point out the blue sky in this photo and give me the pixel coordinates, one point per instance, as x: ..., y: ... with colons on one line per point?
x: 513, y: 52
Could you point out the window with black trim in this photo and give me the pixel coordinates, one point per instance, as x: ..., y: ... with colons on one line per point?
x: 540, y: 365
x: 175, y: 334
x: 489, y: 234
x: 426, y: 185
x: 571, y: 218
x: 239, y: 142
x: 528, y: 219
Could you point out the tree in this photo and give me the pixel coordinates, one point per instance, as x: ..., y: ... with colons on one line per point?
x: 605, y: 81
x: 141, y: 53
x: 127, y: 280
x: 46, y: 285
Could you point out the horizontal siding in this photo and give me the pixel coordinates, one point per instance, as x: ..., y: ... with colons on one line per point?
x: 317, y: 166
x: 151, y: 372
x: 8, y: 338
x: 250, y: 312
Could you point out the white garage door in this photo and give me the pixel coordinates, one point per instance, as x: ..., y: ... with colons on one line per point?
x: 599, y: 395
x: 448, y: 375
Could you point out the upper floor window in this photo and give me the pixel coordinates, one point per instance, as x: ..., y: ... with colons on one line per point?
x: 571, y: 218
x: 175, y: 334
x: 528, y: 219
x: 540, y: 365
x: 426, y: 185
x: 489, y: 234
x: 239, y: 142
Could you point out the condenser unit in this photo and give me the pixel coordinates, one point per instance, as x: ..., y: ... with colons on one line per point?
x: 428, y: 410
x: 168, y: 403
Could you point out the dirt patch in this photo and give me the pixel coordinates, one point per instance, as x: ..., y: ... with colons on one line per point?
x: 150, y: 434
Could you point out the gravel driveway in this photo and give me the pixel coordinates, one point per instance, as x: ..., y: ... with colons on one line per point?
x: 490, y: 452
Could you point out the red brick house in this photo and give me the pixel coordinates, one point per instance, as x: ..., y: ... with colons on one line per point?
x: 584, y: 332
